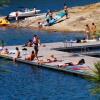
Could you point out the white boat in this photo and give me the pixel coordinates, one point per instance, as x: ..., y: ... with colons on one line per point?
x: 24, y: 13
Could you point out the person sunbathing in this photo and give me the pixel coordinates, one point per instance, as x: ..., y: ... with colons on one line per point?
x: 50, y: 59
x: 31, y: 56
x: 81, y: 62
x: 4, y: 52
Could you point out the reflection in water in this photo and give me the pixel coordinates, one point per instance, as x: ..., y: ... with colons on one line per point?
x: 2, y: 64
x: 33, y: 83
x: 4, y: 2
x: 95, y: 88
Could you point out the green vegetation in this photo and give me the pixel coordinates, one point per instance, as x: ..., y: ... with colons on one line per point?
x: 96, y: 89
x: 97, y: 72
x: 96, y: 79
x: 98, y: 34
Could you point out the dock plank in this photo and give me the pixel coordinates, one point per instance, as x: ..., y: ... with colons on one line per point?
x: 49, y: 49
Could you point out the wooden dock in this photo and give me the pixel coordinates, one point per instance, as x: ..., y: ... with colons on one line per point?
x: 47, y: 49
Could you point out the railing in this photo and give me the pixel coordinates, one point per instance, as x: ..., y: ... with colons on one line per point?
x: 68, y: 43
x: 84, y: 50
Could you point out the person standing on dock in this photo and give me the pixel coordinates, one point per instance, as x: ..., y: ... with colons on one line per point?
x: 93, y: 30
x: 87, y: 31
x: 36, y: 42
x: 17, y: 54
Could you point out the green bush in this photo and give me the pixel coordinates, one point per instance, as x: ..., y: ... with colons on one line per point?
x: 96, y: 78
x: 97, y: 34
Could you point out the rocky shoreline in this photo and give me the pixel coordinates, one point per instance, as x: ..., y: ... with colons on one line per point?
x: 78, y: 18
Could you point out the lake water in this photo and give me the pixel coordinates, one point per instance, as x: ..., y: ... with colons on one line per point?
x: 25, y: 82
x: 43, y: 5
x: 20, y: 36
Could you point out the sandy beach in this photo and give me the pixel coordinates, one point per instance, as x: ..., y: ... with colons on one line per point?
x: 78, y: 18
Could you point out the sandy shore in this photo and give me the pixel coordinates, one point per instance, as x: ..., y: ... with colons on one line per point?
x: 78, y: 18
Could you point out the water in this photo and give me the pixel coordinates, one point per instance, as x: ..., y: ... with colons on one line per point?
x: 20, y: 36
x: 44, y: 5
x: 24, y: 82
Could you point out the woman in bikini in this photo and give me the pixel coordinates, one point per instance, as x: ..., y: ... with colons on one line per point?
x: 17, y: 54
x: 87, y: 31
x: 93, y: 30
x: 30, y: 57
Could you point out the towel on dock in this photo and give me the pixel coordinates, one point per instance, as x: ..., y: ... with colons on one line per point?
x: 77, y: 67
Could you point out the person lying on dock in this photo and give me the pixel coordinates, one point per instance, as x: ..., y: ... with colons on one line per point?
x: 50, y: 59
x: 31, y: 56
x: 17, y: 54
x: 81, y: 62
x: 4, y: 52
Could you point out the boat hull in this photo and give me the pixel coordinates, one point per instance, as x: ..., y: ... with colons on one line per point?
x: 4, y: 22
x: 23, y: 14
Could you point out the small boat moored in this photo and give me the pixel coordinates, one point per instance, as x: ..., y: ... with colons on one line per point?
x: 24, y: 13
x: 4, y: 22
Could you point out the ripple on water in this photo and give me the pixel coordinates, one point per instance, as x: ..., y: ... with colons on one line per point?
x: 26, y: 82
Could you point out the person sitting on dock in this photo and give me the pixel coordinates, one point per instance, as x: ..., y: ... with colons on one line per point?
x: 17, y: 54
x: 28, y: 44
x: 4, y: 52
x: 31, y: 56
